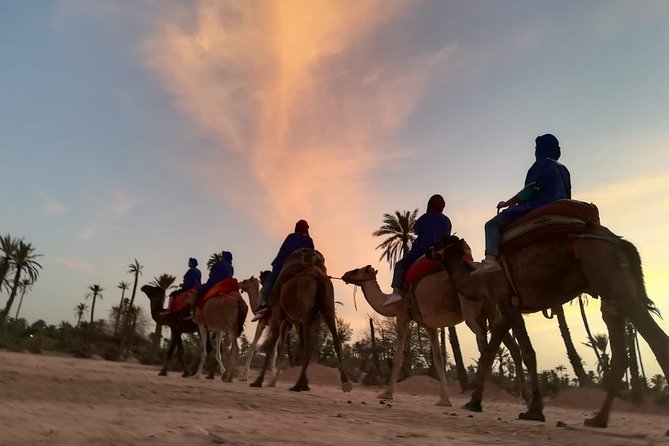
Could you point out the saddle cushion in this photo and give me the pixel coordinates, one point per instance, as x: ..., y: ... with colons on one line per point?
x: 553, y: 220
x: 421, y: 268
x: 179, y: 302
x: 223, y: 287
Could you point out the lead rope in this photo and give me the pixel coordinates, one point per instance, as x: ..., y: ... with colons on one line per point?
x: 355, y: 291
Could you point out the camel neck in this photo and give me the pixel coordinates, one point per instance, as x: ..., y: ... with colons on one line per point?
x: 156, y: 308
x: 375, y: 297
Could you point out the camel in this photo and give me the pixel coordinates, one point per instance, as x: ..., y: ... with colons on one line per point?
x: 224, y: 316
x: 178, y: 323
x: 549, y: 274
x: 251, y: 287
x: 301, y: 300
x: 438, y: 305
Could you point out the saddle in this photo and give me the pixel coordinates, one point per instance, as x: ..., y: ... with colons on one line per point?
x: 295, y: 263
x: 556, y: 219
x: 229, y: 294
x: 222, y: 288
x: 179, y: 303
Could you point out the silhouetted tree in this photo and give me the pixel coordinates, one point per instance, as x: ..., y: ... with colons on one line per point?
x: 95, y: 294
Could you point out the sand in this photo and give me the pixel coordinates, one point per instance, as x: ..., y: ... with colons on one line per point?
x: 55, y: 400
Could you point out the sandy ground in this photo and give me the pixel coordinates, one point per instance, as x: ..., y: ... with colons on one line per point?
x: 64, y: 401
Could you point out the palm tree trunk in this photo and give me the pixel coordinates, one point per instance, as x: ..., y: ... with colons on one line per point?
x: 95, y: 295
x: 643, y: 371
x: 375, y: 351
x: 457, y: 357
x: 23, y: 293
x: 12, y: 296
x: 119, y: 313
x: 572, y: 354
x: 444, y: 361
x: 587, y: 329
x: 635, y: 378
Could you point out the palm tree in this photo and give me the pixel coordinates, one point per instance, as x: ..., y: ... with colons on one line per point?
x: 635, y: 378
x: 79, y: 312
x: 23, y: 259
x: 399, y: 229
x: 123, y: 286
x: 457, y: 357
x: 582, y: 300
x: 25, y: 285
x: 572, y: 354
x: 502, y: 358
x: 7, y: 246
x: 600, y: 341
x: 95, y: 294
x: 658, y: 382
x: 215, y: 257
x: 164, y: 281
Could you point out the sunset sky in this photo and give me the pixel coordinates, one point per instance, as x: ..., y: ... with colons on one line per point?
x: 161, y: 130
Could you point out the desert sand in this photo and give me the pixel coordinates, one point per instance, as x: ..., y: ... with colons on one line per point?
x: 55, y: 400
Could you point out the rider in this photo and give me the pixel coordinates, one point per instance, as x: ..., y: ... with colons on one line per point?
x: 219, y: 271
x: 299, y: 239
x: 192, y: 279
x: 546, y: 181
x: 430, y: 228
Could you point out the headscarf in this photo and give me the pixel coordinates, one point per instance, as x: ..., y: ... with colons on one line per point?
x: 302, y: 227
x: 193, y: 260
x: 227, y: 256
x: 547, y: 146
x: 436, y: 204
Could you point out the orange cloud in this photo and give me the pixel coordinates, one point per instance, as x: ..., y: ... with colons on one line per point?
x: 301, y: 103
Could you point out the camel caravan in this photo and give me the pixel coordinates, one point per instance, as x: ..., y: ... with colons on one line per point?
x: 543, y: 249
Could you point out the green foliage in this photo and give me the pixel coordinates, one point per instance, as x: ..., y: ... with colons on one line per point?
x: 398, y: 230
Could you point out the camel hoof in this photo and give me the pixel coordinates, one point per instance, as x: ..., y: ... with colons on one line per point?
x: 256, y: 384
x: 209, y: 377
x: 446, y: 403
x: 531, y: 416
x: 162, y: 373
x: 185, y: 375
x: 473, y: 406
x: 244, y: 379
x: 297, y: 388
x: 385, y: 396
x: 271, y: 384
x: 346, y: 386
x: 595, y: 422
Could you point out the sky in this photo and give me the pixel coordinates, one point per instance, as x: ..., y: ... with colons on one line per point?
x: 163, y: 130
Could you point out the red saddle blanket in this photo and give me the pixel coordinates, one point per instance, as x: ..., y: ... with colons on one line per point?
x: 223, y: 287
x: 421, y: 268
x: 555, y: 219
x: 179, y: 302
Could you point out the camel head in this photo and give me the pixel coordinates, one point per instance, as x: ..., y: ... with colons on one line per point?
x: 449, y: 247
x: 153, y: 292
x: 360, y: 275
x: 264, y: 275
x: 250, y: 285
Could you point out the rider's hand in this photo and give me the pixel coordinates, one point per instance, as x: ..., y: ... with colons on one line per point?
x: 501, y: 204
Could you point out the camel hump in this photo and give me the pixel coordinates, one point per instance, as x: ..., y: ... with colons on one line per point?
x: 559, y: 218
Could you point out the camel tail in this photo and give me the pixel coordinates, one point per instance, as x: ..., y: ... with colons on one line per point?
x: 633, y: 256
x: 242, y: 311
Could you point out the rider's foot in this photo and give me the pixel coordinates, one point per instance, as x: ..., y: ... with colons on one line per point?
x: 392, y: 298
x: 487, y: 266
x: 260, y: 312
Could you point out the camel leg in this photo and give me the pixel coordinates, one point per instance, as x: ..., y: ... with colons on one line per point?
x: 398, y: 357
x: 252, y: 350
x: 331, y: 321
x: 170, y: 352
x: 204, y: 336
x: 616, y: 325
x: 180, y: 354
x: 309, y: 336
x: 657, y: 339
x: 269, y: 355
x: 278, y: 354
x: 217, y: 353
x: 499, y: 329
x: 514, y: 351
x: 232, y: 358
x: 515, y: 318
x: 439, y: 364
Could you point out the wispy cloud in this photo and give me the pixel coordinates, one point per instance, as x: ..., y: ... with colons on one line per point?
x: 108, y: 209
x: 304, y: 100
x: 74, y: 264
x: 50, y: 205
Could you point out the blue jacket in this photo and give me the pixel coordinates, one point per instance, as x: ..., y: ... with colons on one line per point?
x: 292, y: 243
x: 430, y: 228
x: 220, y: 270
x: 550, y: 179
x: 192, y: 278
